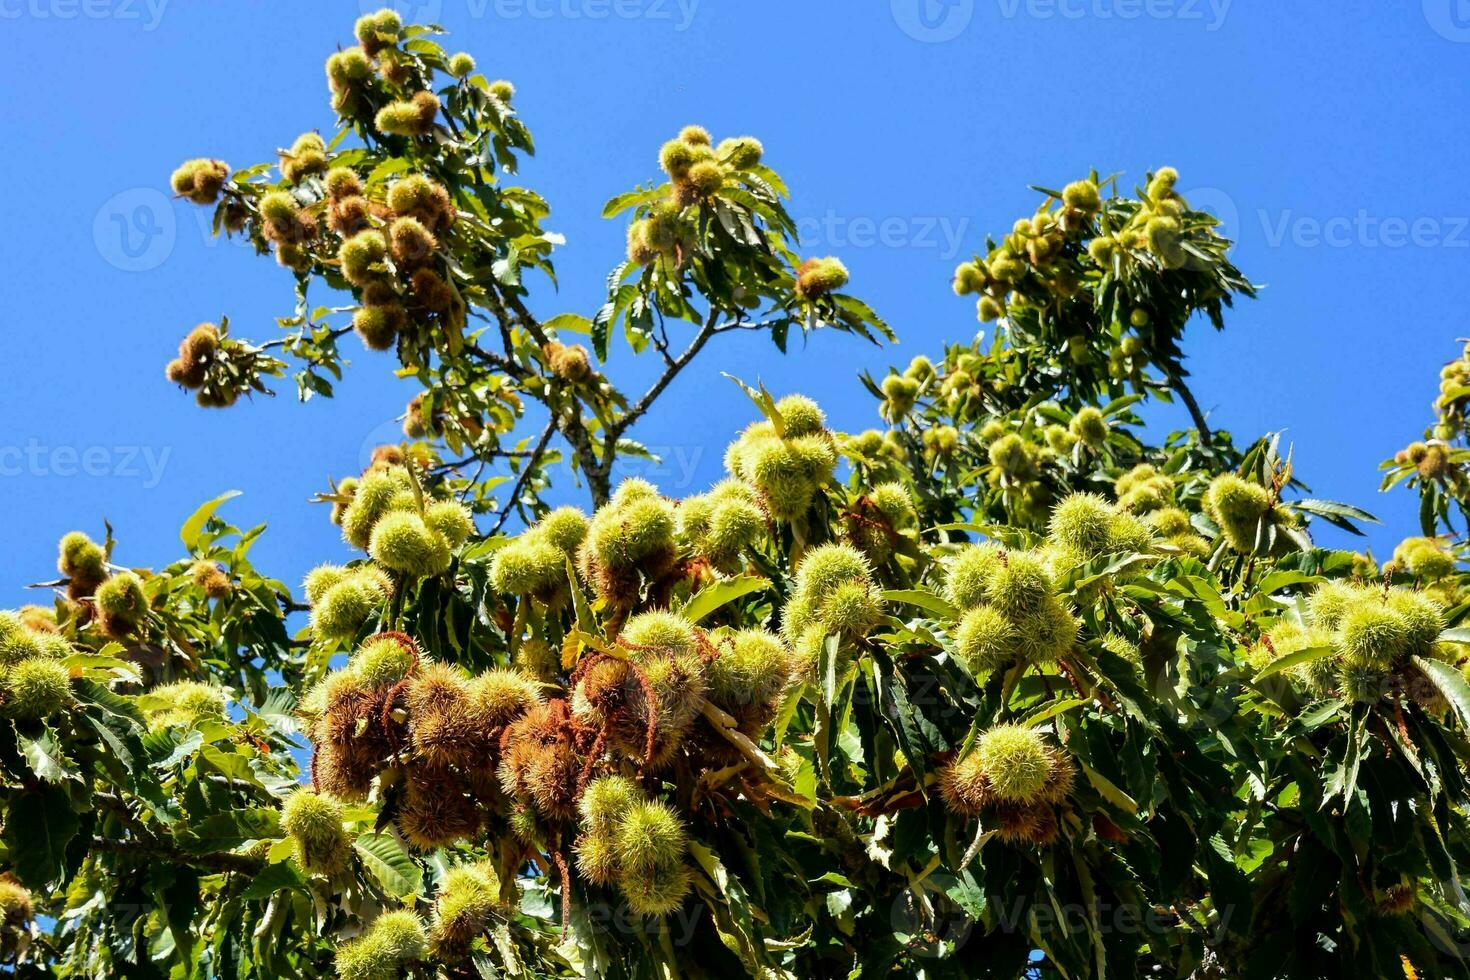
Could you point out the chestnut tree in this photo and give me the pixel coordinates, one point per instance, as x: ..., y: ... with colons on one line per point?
x: 1002, y: 686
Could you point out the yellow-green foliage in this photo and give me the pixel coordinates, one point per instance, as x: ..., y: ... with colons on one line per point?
x: 1372, y: 631
x: 630, y: 538
x: 121, y: 605
x: 834, y: 595
x: 1015, y: 760
x: 1424, y: 559
x: 1144, y: 490
x: 1009, y: 611
x: 314, y: 824
x: 469, y: 897
x: 345, y: 598
x: 184, y: 703
x: 393, y: 941
x: 1090, y: 428
x: 785, y: 470
x: 720, y: 525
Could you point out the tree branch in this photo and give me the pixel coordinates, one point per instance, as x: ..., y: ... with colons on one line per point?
x: 1177, y: 383
x: 641, y: 407
x: 481, y: 457
x: 521, y: 480
x: 495, y: 360
x: 144, y: 844
x: 157, y: 850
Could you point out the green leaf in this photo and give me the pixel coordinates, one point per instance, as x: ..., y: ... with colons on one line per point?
x: 104, y: 669
x: 1276, y: 581
x: 1451, y: 684
x: 1293, y: 659
x: 586, y: 622
x: 389, y: 167
x: 228, y: 763
x: 764, y: 402
x: 1050, y: 711
x: 1110, y: 790
x: 387, y: 861
x: 712, y: 597
x: 169, y: 746
x: 623, y: 202
x: 192, y: 528
x: 225, y: 831
x: 272, y: 879
x: 46, y: 758
x: 40, y: 824
x: 924, y: 600
x: 570, y: 322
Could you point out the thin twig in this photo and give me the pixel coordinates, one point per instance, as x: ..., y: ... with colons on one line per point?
x: 727, y: 726
x: 525, y: 476
x: 1176, y: 381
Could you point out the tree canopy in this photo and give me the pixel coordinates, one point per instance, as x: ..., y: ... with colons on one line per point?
x: 1002, y: 687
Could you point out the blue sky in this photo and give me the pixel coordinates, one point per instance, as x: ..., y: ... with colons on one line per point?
x: 1330, y: 135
